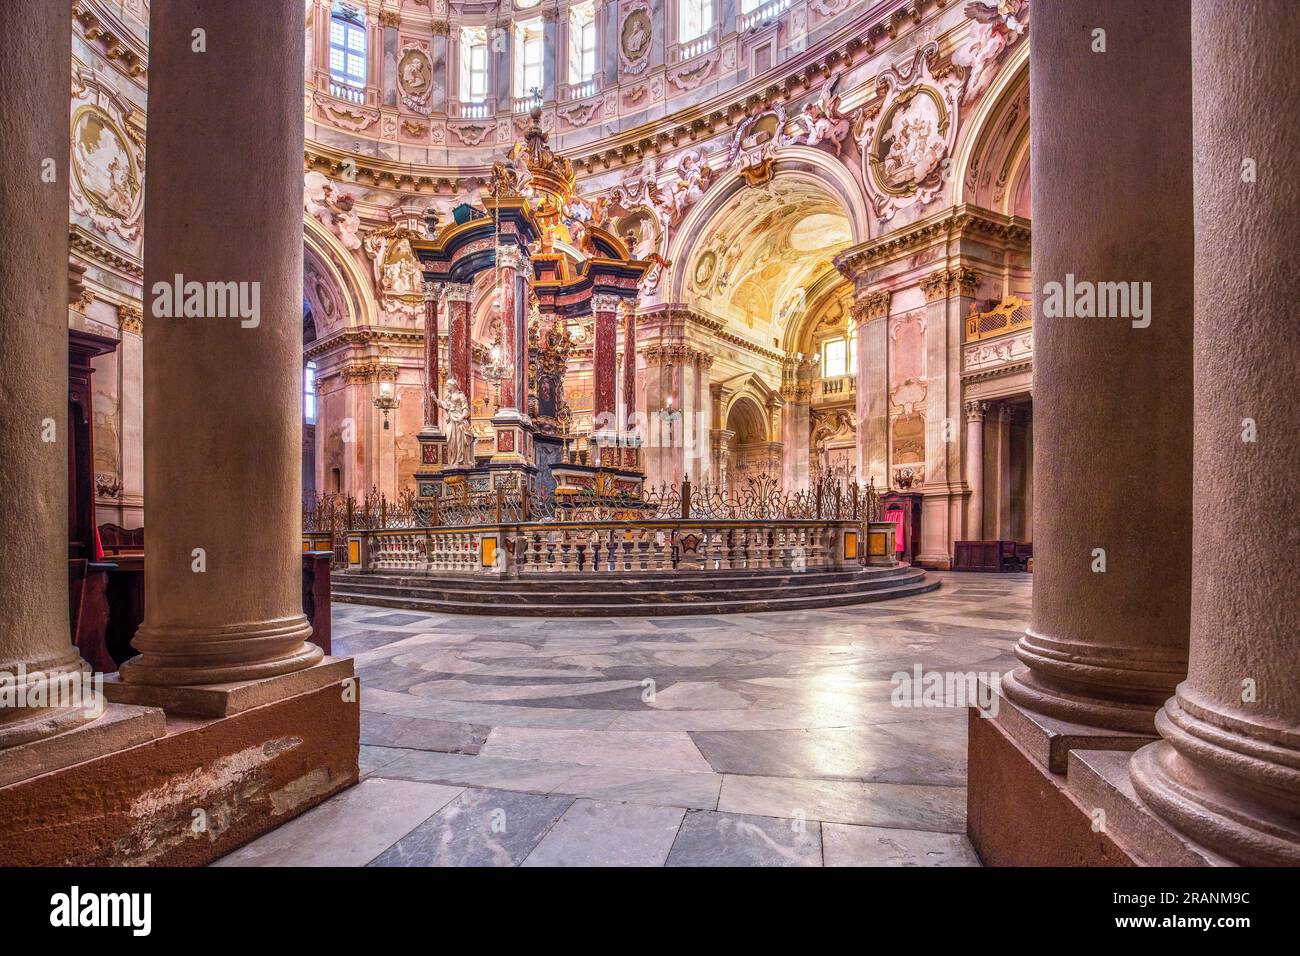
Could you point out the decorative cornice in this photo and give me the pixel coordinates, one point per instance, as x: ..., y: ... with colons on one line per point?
x: 363, y: 336
x: 964, y: 221
x: 83, y: 242
x: 115, y: 41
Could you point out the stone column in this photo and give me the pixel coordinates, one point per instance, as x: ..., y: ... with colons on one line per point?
x: 459, y: 296
x: 1000, y: 523
x: 35, y: 648
x: 948, y: 295
x: 872, y: 314
x: 975, y: 469
x: 604, y: 308
x: 796, y: 435
x: 223, y: 425
x: 1227, y: 774
x: 1105, y: 648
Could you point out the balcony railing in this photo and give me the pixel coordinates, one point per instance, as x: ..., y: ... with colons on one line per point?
x: 474, y: 109
x: 768, y: 11
x: 1010, y: 315
x: 844, y: 386
x: 343, y: 91
x: 580, y: 91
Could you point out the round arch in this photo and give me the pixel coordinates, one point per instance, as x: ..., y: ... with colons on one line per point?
x: 324, y: 256
x: 985, y: 129
x: 803, y: 164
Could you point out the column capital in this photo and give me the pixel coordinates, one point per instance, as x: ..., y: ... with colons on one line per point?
x: 950, y: 282
x: 872, y: 305
x: 511, y: 257
x: 458, y: 291
x: 605, y: 302
x: 976, y: 410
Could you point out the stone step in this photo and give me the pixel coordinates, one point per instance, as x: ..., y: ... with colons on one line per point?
x: 641, y: 580
x: 515, y: 603
x: 611, y: 591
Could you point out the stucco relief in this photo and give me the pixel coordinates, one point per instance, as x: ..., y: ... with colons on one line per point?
x: 634, y: 35
x: 107, y: 162
x: 907, y: 139
x: 415, y: 77
x: 399, y: 279
x: 332, y: 207
x: 354, y: 119
x: 998, y: 26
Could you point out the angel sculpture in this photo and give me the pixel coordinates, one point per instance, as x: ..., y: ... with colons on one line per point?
x: 460, y: 439
x: 821, y: 120
x: 998, y: 26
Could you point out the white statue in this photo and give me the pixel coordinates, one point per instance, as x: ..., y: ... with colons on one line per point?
x: 821, y: 120
x: 998, y: 26
x: 332, y: 207
x: 460, y: 439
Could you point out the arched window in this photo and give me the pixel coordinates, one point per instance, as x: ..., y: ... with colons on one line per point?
x: 348, y: 51
x: 473, y: 64
x: 309, y: 393
x: 582, y: 42
x: 694, y: 19
x: 528, y: 57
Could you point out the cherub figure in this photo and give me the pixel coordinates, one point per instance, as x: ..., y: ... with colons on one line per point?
x: 821, y: 120
x: 998, y: 26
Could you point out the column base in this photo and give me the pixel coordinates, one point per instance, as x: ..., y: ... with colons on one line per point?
x: 190, y: 796
x: 1232, y: 794
x: 43, y: 682
x: 1105, y: 718
x: 229, y: 698
x: 1020, y: 813
x: 244, y: 652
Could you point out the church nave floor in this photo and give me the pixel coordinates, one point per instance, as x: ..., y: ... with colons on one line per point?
x: 764, y: 739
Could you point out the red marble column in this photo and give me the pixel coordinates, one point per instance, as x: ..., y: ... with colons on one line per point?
x: 604, y: 362
x: 431, y: 308
x: 1227, y: 773
x: 507, y: 266
x: 629, y: 369
x: 458, y: 296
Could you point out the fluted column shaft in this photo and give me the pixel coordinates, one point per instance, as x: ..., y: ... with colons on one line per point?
x: 1227, y: 773
x: 34, y: 96
x: 975, y: 412
x: 223, y: 422
x: 1112, y: 204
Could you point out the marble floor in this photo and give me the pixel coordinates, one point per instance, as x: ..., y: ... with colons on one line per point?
x: 745, y: 740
